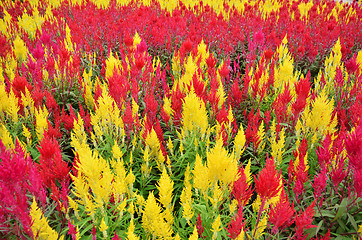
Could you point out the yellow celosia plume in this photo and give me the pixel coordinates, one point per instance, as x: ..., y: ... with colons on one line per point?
x: 113, y: 64
x: 153, y: 220
x: 41, y: 123
x: 152, y: 142
x: 106, y: 120
x: 165, y: 189
x: 13, y: 106
x: 186, y: 79
x: 40, y: 226
x: 216, y: 227
x: 331, y: 63
x: 195, y: 117
x: 202, y: 53
x: 28, y: 103
x: 20, y: 49
x: 200, y: 173
x: 186, y: 197
x: 239, y: 142
x: 194, y: 235
x: 30, y: 24
x: 304, y: 9
x: 221, y: 166
x: 277, y: 145
x: 130, y: 233
x: 6, y: 137
x: 284, y: 71
x: 320, y: 118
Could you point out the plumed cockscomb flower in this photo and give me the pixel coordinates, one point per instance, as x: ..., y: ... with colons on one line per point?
x: 242, y: 190
x: 259, y: 38
x: 194, y: 115
x: 5, y: 46
x: 304, y: 221
x: 323, y: 152
x: 352, y: 65
x: 221, y: 166
x: 281, y: 215
x: 354, y: 147
x: 187, y: 45
x: 199, y: 226
x: 237, y: 225
x: 357, y: 179
x: 338, y: 172
x: 116, y: 237
x: 38, y: 52
x: 73, y: 231
x: 267, y: 183
x: 320, y: 182
x: 51, y: 165
x: 327, y: 236
x: 19, y: 84
x: 268, y: 54
x: 211, y: 61
x: 153, y: 220
x: 20, y: 49
x: 354, y: 153
x: 19, y: 178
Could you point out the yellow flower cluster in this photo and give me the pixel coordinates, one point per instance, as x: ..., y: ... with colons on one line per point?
x: 194, y: 115
x: 40, y: 226
x: 284, y: 72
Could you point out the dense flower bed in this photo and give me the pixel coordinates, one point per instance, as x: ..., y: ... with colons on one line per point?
x: 180, y: 120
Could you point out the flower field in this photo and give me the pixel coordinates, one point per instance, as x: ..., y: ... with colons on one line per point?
x: 180, y: 119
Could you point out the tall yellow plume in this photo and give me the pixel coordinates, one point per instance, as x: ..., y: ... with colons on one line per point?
x: 194, y: 115
x: 40, y: 226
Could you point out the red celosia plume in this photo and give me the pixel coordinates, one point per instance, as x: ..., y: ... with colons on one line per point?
x: 267, y: 183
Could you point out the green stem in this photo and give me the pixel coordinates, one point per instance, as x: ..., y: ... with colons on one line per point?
x: 259, y: 216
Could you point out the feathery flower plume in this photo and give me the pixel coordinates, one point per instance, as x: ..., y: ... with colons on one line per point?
x: 130, y: 233
x: 51, y: 165
x: 242, y: 191
x: 199, y: 226
x: 200, y: 173
x: 216, y: 227
x: 40, y: 226
x: 165, y: 188
x: 354, y: 147
x: 194, y: 235
x: 18, y: 178
x: 221, y: 166
x: 186, y: 197
x: 153, y: 219
x: 267, y: 184
x: 281, y: 215
x: 73, y: 231
x: 304, y: 221
x: 319, y: 183
x: 194, y: 115
x: 237, y: 226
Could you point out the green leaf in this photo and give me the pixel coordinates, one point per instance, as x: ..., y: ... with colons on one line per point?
x: 342, y: 226
x: 352, y: 221
x: 183, y: 223
x: 319, y: 226
x: 82, y: 223
x: 312, y: 232
x: 324, y: 213
x: 341, y: 210
x: 340, y: 238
